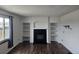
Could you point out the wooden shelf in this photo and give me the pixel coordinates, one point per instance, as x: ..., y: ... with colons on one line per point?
x: 26, y: 38
x: 53, y: 30
x: 26, y: 31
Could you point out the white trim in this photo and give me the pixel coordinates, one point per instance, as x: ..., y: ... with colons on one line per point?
x: 12, y: 48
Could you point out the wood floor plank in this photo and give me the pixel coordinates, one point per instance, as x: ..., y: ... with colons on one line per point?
x: 27, y: 48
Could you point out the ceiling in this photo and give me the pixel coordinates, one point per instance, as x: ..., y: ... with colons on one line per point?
x: 40, y: 10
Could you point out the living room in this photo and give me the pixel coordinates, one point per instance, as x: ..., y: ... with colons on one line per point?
x: 53, y: 28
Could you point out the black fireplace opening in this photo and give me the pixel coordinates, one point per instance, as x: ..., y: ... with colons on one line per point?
x: 40, y: 36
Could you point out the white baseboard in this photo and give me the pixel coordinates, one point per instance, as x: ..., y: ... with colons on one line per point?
x: 12, y: 48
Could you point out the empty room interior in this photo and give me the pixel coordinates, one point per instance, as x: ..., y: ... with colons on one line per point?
x: 39, y: 29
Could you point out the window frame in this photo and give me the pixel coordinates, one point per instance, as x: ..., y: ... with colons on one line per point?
x: 4, y: 40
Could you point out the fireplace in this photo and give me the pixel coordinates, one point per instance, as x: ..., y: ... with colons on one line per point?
x: 40, y: 36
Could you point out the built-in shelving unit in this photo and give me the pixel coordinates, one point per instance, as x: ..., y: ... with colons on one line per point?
x: 53, y: 31
x: 26, y: 31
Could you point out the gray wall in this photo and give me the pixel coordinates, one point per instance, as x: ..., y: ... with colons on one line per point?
x: 17, y: 32
x: 69, y: 37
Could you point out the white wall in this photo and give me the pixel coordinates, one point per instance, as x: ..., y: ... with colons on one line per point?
x: 40, y: 23
x: 54, y: 19
x: 17, y: 32
x: 69, y: 37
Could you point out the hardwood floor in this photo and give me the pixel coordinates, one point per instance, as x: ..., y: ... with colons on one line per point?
x: 26, y: 48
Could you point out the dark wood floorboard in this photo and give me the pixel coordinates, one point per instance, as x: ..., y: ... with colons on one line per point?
x: 26, y: 48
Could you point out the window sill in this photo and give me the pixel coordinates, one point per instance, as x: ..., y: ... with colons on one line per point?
x: 3, y: 41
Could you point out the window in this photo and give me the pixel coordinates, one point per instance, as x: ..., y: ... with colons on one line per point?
x: 1, y: 29
x: 7, y: 28
x: 4, y: 28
